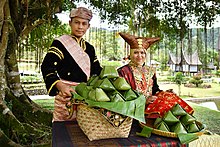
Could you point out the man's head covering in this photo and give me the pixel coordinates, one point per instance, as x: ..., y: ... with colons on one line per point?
x: 138, y: 42
x: 82, y: 13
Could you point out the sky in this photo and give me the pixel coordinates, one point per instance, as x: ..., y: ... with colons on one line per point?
x: 95, y: 22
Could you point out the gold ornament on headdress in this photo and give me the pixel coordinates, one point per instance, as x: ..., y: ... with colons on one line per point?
x: 139, y: 42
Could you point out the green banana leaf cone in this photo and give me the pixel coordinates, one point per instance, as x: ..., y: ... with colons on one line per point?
x: 98, y: 95
x: 109, y: 72
x: 105, y: 84
x: 192, y: 128
x: 115, y: 96
x: 121, y: 84
x: 101, y: 95
x: 98, y: 82
x: 170, y: 119
x: 92, y: 95
x: 130, y: 95
x: 82, y: 89
x: 178, y: 128
x: 177, y: 110
x: 163, y: 127
x: 92, y: 80
x: 157, y: 122
x: 187, y: 138
x: 187, y: 119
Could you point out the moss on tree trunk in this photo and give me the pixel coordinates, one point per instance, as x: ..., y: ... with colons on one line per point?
x: 22, y: 122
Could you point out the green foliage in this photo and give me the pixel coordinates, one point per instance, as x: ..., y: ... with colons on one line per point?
x: 179, y: 78
x: 196, y: 79
x: 217, y: 73
x: 111, y: 63
x: 171, y: 78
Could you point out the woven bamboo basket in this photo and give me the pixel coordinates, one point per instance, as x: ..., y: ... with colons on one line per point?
x: 96, y: 127
x: 164, y: 133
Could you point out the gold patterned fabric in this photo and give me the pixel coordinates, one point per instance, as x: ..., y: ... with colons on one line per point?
x: 61, y: 112
x: 81, y: 12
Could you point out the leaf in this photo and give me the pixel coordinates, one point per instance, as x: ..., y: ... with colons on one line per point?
x: 177, y: 110
x: 170, y: 119
x: 134, y: 109
x: 82, y: 89
x: 105, y: 84
x: 121, y: 84
x: 115, y: 96
x: 109, y: 72
x: 92, y: 80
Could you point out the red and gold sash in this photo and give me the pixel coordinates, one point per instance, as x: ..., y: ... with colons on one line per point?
x: 78, y: 54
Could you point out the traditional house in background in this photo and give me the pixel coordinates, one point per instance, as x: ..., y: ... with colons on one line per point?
x: 190, y: 62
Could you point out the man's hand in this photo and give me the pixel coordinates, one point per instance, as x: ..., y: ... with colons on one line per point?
x: 64, y: 89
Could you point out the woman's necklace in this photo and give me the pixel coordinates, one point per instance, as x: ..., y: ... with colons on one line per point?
x: 143, y: 78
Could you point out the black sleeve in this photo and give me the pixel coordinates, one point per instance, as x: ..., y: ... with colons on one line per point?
x: 95, y: 64
x: 50, y: 65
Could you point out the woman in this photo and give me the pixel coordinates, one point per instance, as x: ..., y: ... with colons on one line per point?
x: 143, y: 79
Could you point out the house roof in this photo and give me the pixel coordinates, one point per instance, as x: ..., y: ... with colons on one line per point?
x: 192, y: 59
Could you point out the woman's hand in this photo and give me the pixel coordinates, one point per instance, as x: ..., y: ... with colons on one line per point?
x: 64, y: 89
x: 151, y: 99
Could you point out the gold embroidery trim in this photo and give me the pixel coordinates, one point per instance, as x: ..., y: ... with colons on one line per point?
x: 52, y: 86
x: 57, y: 52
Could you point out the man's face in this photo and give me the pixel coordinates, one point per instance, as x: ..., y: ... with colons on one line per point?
x: 79, y: 26
x: 138, y: 56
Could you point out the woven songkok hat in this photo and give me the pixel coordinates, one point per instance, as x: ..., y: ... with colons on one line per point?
x: 138, y: 42
x: 82, y: 13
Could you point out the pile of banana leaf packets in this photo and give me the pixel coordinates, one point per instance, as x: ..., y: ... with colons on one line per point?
x: 112, y: 95
x: 175, y: 123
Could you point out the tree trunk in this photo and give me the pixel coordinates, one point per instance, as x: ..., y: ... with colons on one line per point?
x: 22, y: 122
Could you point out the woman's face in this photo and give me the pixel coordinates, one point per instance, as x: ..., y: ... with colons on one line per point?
x: 138, y: 56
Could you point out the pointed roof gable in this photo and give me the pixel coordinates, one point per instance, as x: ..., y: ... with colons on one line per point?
x: 190, y: 59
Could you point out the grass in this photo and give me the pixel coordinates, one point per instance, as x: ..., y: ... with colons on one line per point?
x: 46, y: 103
x: 209, y: 117
x: 193, y: 92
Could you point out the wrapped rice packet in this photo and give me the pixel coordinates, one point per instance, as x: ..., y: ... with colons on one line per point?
x: 82, y: 89
x: 130, y: 95
x: 187, y: 119
x: 109, y: 72
x: 163, y: 127
x: 92, y: 80
x: 177, y: 110
x: 157, y: 122
x: 121, y: 84
x: 105, y: 84
x: 170, y: 119
x: 115, y: 96
x: 98, y: 95
x: 191, y: 128
x: 178, y: 128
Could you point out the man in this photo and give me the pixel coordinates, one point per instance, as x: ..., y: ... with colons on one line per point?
x: 69, y: 61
